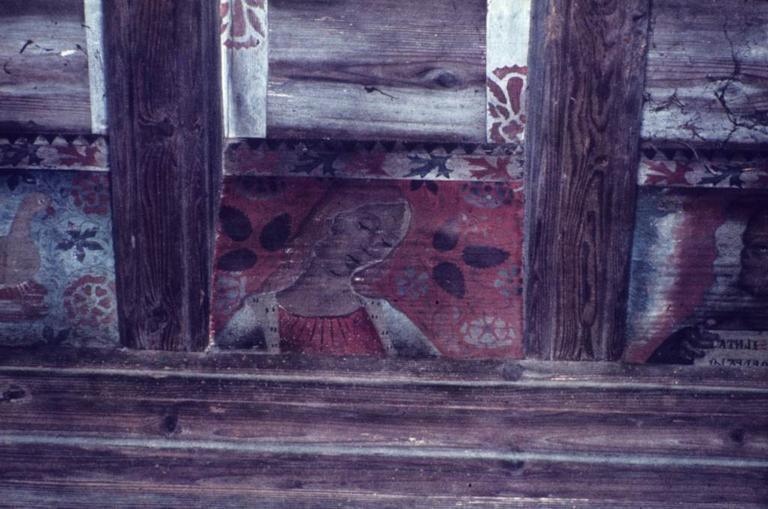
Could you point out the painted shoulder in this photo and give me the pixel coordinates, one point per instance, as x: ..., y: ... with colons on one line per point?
x: 253, y: 327
x: 400, y: 336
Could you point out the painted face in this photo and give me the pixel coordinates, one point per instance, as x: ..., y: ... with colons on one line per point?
x: 361, y: 237
x: 754, y: 256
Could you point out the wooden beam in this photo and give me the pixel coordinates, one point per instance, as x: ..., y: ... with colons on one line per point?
x: 364, y: 431
x: 587, y: 66
x: 44, y: 67
x: 708, y: 72
x: 147, y: 472
x: 164, y: 102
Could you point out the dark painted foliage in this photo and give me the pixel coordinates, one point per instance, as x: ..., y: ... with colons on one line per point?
x: 446, y: 237
x: 483, y: 257
x: 275, y: 234
x: 450, y: 278
x: 235, y: 223
x: 237, y: 260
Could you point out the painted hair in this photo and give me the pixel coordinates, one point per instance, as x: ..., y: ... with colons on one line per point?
x: 342, y: 196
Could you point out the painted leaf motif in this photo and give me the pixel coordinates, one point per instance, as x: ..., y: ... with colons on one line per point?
x: 450, y: 278
x: 275, y: 234
x: 446, y: 237
x: 483, y: 257
x: 235, y: 223
x: 497, y: 92
x: 253, y: 19
x: 92, y: 245
x: 237, y: 260
x: 515, y: 90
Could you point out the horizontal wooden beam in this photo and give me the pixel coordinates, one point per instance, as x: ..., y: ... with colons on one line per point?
x: 177, y: 427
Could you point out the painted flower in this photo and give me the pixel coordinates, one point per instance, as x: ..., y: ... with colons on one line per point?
x: 90, y: 192
x: 488, y: 195
x: 90, y: 301
x: 412, y: 283
x: 508, y: 282
x: 242, y: 22
x: 506, y: 105
x: 488, y: 332
x: 80, y: 241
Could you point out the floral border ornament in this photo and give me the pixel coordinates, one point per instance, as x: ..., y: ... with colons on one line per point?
x: 243, y: 23
x: 377, y: 160
x: 687, y: 167
x: 54, y: 153
x: 507, y: 33
x: 244, y: 33
x: 506, y: 103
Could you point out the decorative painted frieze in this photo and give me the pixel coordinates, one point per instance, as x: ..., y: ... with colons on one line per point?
x: 54, y: 153
x: 375, y: 160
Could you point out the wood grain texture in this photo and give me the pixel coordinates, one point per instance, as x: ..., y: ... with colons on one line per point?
x: 708, y: 72
x: 392, y: 70
x: 165, y: 160
x: 62, y: 494
x: 355, y: 370
x: 178, y: 469
x: 94, y: 28
x: 158, y: 429
x: 586, y: 78
x: 624, y: 422
x: 44, y: 75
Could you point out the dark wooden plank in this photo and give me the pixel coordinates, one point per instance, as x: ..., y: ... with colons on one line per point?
x: 63, y: 495
x: 686, y: 422
x: 354, y: 370
x: 395, y: 69
x: 587, y: 65
x: 707, y: 72
x: 222, y: 467
x: 44, y: 76
x: 164, y: 100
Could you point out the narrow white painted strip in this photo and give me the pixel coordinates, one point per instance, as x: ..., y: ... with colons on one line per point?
x: 94, y: 28
x: 507, y: 34
x: 244, y: 67
x: 416, y: 452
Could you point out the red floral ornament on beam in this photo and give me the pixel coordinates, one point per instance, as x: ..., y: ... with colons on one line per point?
x: 506, y: 103
x: 243, y: 23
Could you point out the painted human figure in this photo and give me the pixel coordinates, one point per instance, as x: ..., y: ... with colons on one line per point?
x: 310, y: 305
x: 686, y: 345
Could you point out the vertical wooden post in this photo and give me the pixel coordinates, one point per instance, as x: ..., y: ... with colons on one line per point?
x: 587, y: 69
x: 163, y: 92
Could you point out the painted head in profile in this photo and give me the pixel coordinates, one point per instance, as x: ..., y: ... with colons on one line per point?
x: 754, y: 255
x: 310, y: 305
